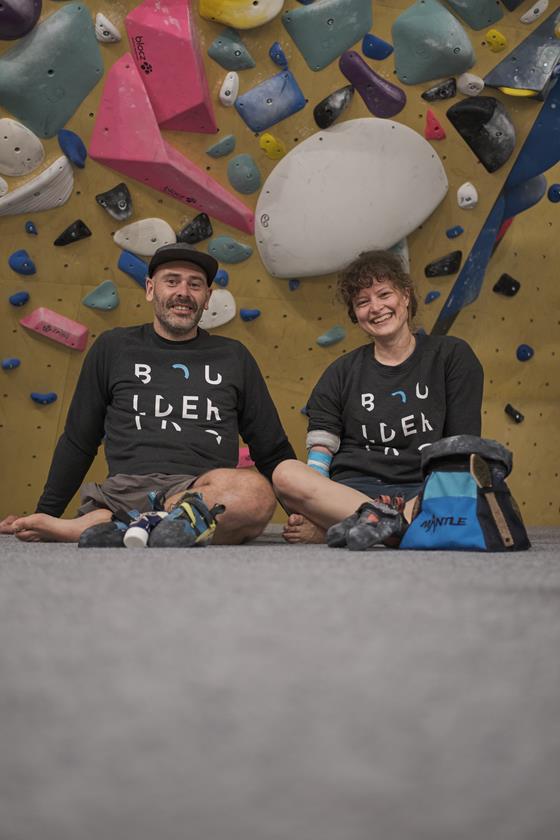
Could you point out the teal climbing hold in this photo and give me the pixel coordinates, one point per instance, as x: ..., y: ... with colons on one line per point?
x: 375, y: 47
x: 332, y: 336
x: 43, y: 399
x: 243, y: 174
x: 223, y: 147
x: 73, y: 147
x: 21, y: 262
x: 429, y: 44
x: 324, y: 30
x: 134, y: 267
x: 48, y: 73
x: 10, y: 364
x: 478, y: 14
x: 249, y: 314
x: 105, y: 296
x: 230, y: 52
x: 228, y: 250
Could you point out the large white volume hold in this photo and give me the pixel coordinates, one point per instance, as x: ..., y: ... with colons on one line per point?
x: 229, y: 89
x: 145, y: 237
x: 49, y: 189
x: 21, y: 151
x: 221, y: 309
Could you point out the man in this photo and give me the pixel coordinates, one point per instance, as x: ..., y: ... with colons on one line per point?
x: 169, y: 399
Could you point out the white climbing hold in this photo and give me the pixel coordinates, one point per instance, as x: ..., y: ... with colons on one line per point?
x: 535, y: 12
x: 105, y: 30
x: 49, y: 189
x: 145, y: 237
x: 3, y: 187
x: 467, y: 196
x: 229, y: 89
x: 21, y: 151
x: 469, y: 84
x: 221, y: 309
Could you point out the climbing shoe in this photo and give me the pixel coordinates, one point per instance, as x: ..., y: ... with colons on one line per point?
x: 337, y: 535
x: 191, y: 523
x: 105, y: 535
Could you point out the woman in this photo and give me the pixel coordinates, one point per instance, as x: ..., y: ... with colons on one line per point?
x: 375, y: 409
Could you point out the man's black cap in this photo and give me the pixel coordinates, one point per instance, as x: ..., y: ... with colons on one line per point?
x: 181, y: 252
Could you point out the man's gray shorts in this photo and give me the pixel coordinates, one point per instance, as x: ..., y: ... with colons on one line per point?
x: 130, y: 492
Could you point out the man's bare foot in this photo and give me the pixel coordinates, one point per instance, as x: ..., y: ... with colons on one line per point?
x: 298, y: 529
x: 7, y: 524
x: 40, y: 527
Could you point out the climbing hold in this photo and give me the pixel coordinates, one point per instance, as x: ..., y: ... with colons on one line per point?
x: 117, y: 202
x: 30, y: 228
x: 73, y: 147
x: 244, y: 461
x: 400, y: 248
x: 495, y: 40
x: 222, y: 147
x: 221, y: 309
x: 443, y: 90
x: 134, y: 267
x: 105, y: 30
x: 467, y: 196
x: 273, y: 148
x: 522, y: 196
x: 21, y: 262
x: 229, y: 89
x: 376, y: 48
x: 19, y: 298
x: 469, y: 84
x: 49, y: 189
x: 230, y: 52
x: 449, y: 264
x: 242, y: 14
x: 429, y: 43
x: 43, y: 399
x: 228, y: 250
x: 293, y: 284
x: 278, y: 56
x: 324, y: 30
x: 105, y: 296
x: 485, y: 126
x: 44, y: 78
x: 196, y: 231
x: 433, y: 130
x: 554, y: 193
x: 329, y: 109
x: 382, y: 98
x: 506, y: 285
x: 524, y: 352
x: 454, y: 232
x: 535, y: 12
x: 167, y: 58
x: 57, y: 327
x: 269, y: 102
x: 243, y: 174
x: 73, y: 233
x: 221, y: 278
x: 431, y: 296
x: 477, y: 13
x: 10, y: 364
x: 332, y: 336
x: 145, y: 237
x: 18, y: 17
x: 249, y: 314
x: 515, y: 415
x: 20, y: 150
x: 3, y: 186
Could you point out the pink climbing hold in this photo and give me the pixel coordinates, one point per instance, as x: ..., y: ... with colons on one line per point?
x: 164, y: 44
x: 434, y: 129
x: 57, y: 327
x: 245, y: 461
x: 126, y: 138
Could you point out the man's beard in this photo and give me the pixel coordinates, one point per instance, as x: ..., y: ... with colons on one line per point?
x: 164, y: 314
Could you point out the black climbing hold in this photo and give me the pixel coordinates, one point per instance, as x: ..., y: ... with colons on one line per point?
x: 507, y: 286
x: 514, y: 413
x: 443, y: 266
x: 485, y: 126
x: 444, y: 90
x: 200, y: 228
x: 77, y: 230
x: 331, y: 107
x: 116, y: 201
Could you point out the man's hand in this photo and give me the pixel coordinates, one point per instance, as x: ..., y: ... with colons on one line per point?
x: 6, y: 525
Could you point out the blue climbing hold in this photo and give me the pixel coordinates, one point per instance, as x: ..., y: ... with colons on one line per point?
x: 10, y: 364
x: 269, y: 102
x: 278, y: 55
x: 293, y: 284
x: 222, y: 278
x: 222, y: 147
x: 431, y: 296
x: 73, y: 147
x: 454, y: 232
x: 19, y: 298
x: 524, y: 352
x: 554, y: 193
x: 134, y: 267
x: 228, y: 250
x: 30, y: 228
x: 43, y: 399
x: 331, y: 336
x: 249, y: 314
x: 376, y: 48
x: 243, y: 174
x: 21, y: 262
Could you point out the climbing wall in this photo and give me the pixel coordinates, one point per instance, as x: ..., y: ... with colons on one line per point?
x: 340, y: 195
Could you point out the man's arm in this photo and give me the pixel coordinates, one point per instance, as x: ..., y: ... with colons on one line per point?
x: 464, y: 381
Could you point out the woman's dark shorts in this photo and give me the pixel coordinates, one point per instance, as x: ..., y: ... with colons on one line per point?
x: 373, y: 487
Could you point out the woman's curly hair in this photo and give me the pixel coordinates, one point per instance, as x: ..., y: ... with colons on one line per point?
x: 370, y: 266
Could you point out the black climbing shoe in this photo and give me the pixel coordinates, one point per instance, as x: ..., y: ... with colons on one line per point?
x: 380, y: 520
x: 191, y: 523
